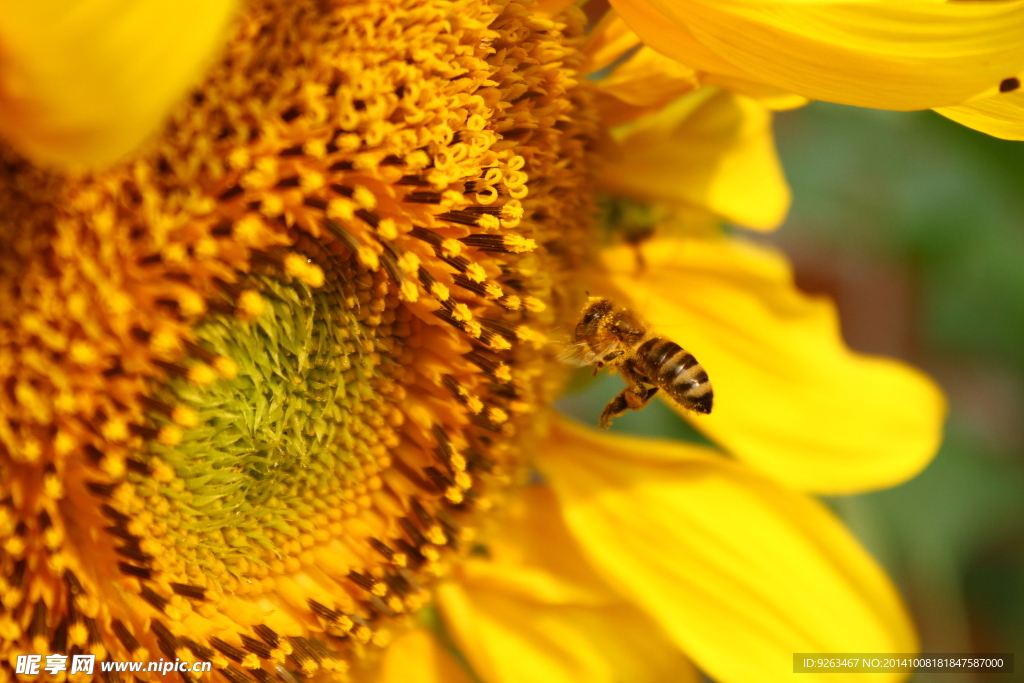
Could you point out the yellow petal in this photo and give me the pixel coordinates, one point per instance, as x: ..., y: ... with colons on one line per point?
x: 511, y: 633
x: 767, y: 96
x: 418, y: 657
x: 649, y: 79
x: 532, y: 556
x: 609, y: 40
x: 740, y: 571
x: 551, y: 8
x: 1001, y: 115
x: 86, y: 82
x: 712, y: 150
x: 875, y: 53
x: 790, y: 399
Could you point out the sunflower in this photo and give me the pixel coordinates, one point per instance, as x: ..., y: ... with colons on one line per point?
x: 277, y: 383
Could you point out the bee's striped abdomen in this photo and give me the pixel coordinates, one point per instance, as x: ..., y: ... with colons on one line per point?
x: 674, y: 369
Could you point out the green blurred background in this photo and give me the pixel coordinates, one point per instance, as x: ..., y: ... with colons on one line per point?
x: 914, y: 225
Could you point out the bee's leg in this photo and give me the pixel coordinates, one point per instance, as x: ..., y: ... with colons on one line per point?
x: 637, y: 395
x: 628, y: 399
x: 637, y: 401
x: 599, y: 365
x: 633, y: 397
x: 617, y: 406
x: 636, y: 381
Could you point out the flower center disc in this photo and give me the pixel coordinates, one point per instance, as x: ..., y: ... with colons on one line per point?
x: 261, y: 380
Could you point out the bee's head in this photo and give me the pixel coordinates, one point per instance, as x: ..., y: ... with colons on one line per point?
x: 596, y: 310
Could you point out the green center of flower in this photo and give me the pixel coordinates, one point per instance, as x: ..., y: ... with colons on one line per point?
x: 291, y: 434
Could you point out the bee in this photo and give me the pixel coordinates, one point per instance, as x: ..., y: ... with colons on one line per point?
x: 611, y: 336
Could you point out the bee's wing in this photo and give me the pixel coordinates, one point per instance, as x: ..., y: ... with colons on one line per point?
x: 579, y: 354
x: 576, y: 354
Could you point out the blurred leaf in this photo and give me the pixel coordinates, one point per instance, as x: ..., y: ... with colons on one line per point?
x: 943, y: 199
x: 954, y: 509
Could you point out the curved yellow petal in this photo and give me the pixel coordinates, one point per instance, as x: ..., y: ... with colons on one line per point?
x: 86, y: 82
x: 887, y: 54
x: 533, y: 557
x: 551, y: 8
x: 712, y: 150
x: 1001, y: 115
x: 649, y: 79
x: 417, y: 656
x: 740, y: 571
x: 512, y: 628
x: 766, y: 95
x: 609, y: 40
x: 790, y: 398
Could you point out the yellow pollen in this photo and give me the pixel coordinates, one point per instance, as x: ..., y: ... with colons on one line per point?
x: 311, y: 180
x: 464, y: 481
x: 174, y: 254
x: 512, y: 211
x: 226, y: 366
x: 201, y: 374
x: 272, y: 206
x: 368, y: 257
x: 185, y: 416
x: 440, y: 291
x: 531, y: 336
x: 499, y: 343
x: 387, y: 229
x: 362, y: 634
x: 474, y: 404
x: 250, y: 305
x: 409, y: 263
x: 476, y: 273
x: 341, y: 209
x: 533, y: 304
x: 239, y: 158
x: 348, y: 142
x: 518, y: 244
x: 301, y: 269
x: 451, y: 247
x: 364, y: 198
x: 191, y: 303
x: 315, y: 148
x: 435, y: 534
x: 409, y: 291
x: 53, y: 488
x: 165, y: 343
x: 115, y: 430
x: 169, y: 435
x: 83, y: 353
x: 248, y: 229
x: 503, y: 373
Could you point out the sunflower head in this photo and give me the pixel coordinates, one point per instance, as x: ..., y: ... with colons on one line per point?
x: 260, y: 380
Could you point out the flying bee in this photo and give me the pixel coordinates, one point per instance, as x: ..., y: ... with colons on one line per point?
x: 611, y: 336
